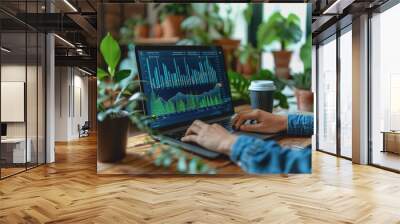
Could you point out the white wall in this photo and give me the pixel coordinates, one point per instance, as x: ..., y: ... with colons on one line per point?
x: 16, y: 73
x: 61, y: 103
x: 71, y: 102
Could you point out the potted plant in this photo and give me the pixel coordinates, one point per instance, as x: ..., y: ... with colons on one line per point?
x: 302, y: 81
x: 225, y: 27
x: 304, y: 95
x: 135, y: 27
x: 286, y: 31
x: 198, y: 27
x: 142, y: 29
x: 157, y: 30
x: 172, y: 15
x: 248, y: 60
x: 206, y: 26
x: 115, y: 103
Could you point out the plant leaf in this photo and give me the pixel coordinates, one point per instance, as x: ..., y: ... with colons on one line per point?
x: 248, y: 13
x: 111, y: 52
x: 122, y: 74
x: 182, y: 166
x: 193, y: 166
x: 136, y: 96
x: 101, y: 74
x: 305, y: 53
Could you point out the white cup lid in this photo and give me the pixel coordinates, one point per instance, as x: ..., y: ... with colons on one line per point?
x: 262, y: 85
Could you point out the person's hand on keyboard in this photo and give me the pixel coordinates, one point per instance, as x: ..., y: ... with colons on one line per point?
x: 265, y: 122
x: 213, y: 137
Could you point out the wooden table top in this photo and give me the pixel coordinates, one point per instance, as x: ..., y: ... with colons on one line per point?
x: 137, y: 162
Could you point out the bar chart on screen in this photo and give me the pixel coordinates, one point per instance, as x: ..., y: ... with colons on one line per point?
x: 182, y: 82
x: 195, y: 70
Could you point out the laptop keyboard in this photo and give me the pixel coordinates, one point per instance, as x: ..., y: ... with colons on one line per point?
x: 227, y: 124
x: 177, y: 135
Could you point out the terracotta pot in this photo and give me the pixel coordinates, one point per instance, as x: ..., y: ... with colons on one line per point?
x: 112, y: 138
x: 157, y: 30
x: 248, y: 69
x: 229, y: 46
x: 305, y: 100
x: 282, y: 61
x: 142, y: 31
x: 171, y: 26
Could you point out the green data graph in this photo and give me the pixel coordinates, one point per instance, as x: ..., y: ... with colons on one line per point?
x: 185, y: 102
x: 171, y: 75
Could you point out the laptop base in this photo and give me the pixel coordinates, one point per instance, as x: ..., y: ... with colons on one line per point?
x: 173, y: 138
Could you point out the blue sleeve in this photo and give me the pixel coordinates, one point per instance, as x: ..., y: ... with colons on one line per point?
x: 300, y: 125
x: 268, y: 157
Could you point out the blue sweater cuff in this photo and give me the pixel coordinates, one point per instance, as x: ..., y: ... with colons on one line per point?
x: 242, y: 143
x: 300, y: 125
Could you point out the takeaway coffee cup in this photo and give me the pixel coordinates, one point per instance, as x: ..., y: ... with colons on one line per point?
x: 262, y: 94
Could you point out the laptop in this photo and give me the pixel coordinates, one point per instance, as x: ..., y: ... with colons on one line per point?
x: 182, y: 84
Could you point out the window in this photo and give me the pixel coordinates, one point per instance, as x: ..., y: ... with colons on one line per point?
x: 327, y: 96
x: 346, y: 94
x: 22, y: 78
x: 385, y: 88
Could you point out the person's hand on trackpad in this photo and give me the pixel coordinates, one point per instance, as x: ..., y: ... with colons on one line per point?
x: 265, y: 122
x: 213, y: 137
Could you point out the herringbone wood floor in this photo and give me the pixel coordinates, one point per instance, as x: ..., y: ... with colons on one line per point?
x: 70, y: 191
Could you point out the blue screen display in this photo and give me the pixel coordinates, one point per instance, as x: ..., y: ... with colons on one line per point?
x: 182, y: 85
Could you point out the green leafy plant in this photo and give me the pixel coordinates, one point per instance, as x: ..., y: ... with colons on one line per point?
x: 119, y: 96
x: 206, y: 24
x: 305, y: 53
x: 178, y: 9
x: 240, y: 86
x: 278, y: 28
x: 303, y: 80
x: 224, y: 26
x: 248, y: 12
x: 115, y: 98
x: 248, y: 53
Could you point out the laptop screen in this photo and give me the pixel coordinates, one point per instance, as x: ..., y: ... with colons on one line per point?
x: 183, y: 83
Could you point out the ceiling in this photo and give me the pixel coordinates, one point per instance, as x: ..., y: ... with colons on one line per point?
x: 330, y: 15
x: 74, y: 22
